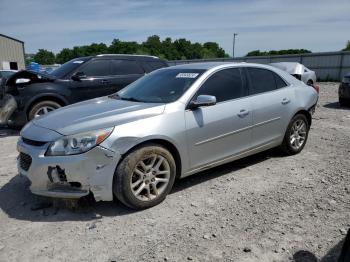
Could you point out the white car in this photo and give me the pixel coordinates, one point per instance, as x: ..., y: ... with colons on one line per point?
x: 297, y: 70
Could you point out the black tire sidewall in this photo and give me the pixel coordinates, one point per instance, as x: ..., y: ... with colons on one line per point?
x: 287, y: 145
x: 36, y: 106
x: 123, y: 174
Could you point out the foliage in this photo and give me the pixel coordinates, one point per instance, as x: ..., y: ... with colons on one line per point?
x: 166, y: 49
x: 44, y: 57
x: 278, y: 52
x: 347, y: 48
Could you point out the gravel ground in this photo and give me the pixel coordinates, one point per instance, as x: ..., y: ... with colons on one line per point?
x: 263, y: 208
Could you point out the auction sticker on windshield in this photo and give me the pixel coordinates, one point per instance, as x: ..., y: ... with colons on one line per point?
x: 187, y: 75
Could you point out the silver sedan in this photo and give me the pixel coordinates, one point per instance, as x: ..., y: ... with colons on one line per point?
x: 169, y: 124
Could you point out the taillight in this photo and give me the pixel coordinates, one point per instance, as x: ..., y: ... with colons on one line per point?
x: 317, y: 88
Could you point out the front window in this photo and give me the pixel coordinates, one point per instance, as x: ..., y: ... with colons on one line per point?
x: 161, y: 86
x: 68, y: 67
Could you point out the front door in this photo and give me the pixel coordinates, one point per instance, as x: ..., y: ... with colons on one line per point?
x: 97, y: 81
x: 219, y: 131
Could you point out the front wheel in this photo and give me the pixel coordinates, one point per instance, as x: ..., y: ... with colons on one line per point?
x: 42, y: 108
x: 342, y: 101
x: 296, y: 135
x: 144, y: 177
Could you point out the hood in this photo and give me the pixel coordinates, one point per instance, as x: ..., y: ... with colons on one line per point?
x: 95, y: 114
x: 28, y: 77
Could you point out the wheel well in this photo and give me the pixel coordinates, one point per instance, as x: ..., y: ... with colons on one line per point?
x: 307, y: 114
x: 45, y: 98
x: 166, y: 144
x: 310, y: 81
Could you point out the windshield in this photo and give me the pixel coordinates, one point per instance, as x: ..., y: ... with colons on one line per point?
x: 68, y: 67
x: 6, y: 73
x: 161, y: 86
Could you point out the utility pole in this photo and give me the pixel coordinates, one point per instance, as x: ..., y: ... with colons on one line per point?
x: 234, y: 41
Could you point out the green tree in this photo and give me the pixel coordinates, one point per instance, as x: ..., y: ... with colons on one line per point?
x: 278, y: 52
x: 347, y: 47
x: 166, y: 49
x: 44, y: 57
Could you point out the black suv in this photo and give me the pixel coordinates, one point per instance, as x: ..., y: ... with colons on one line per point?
x: 79, y: 79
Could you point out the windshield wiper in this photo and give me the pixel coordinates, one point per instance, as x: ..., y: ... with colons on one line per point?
x: 115, y: 96
x: 133, y: 99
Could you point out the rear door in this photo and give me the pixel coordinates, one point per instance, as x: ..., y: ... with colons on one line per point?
x: 271, y: 104
x: 124, y: 71
x: 222, y: 130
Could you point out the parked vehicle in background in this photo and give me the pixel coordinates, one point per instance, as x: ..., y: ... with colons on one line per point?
x: 6, y: 73
x: 171, y: 123
x: 344, y: 91
x: 298, y: 70
x: 77, y: 80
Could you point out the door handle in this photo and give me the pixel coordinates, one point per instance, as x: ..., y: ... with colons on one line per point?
x: 243, y: 113
x: 285, y: 101
x: 104, y: 81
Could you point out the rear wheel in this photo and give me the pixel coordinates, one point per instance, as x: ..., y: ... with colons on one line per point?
x: 296, y: 135
x: 144, y: 177
x: 310, y: 83
x: 342, y: 101
x: 42, y: 108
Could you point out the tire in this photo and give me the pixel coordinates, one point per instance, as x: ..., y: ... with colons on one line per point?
x: 310, y: 83
x: 144, y: 177
x: 292, y: 148
x: 35, y: 109
x: 342, y: 101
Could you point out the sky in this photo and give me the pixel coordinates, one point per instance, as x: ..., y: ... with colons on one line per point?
x: 319, y: 26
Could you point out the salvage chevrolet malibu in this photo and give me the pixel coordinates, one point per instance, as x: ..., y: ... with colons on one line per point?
x: 169, y: 124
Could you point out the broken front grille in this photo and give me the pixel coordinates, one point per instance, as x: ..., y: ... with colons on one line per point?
x: 25, y: 161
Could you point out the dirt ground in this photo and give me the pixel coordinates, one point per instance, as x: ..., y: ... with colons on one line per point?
x: 263, y: 208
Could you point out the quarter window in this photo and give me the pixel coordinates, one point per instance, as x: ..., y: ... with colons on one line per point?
x: 224, y: 85
x: 261, y: 80
x: 126, y: 67
x: 279, y: 81
x: 97, y: 68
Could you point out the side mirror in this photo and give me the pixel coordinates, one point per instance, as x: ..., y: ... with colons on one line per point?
x: 203, y: 100
x: 78, y: 76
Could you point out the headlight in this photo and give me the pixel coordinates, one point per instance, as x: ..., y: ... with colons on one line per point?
x: 79, y: 143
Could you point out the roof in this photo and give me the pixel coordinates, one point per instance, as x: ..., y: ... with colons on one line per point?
x: 126, y: 56
x: 12, y: 38
x: 206, y: 66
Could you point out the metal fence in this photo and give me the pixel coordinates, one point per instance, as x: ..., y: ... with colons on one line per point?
x: 329, y: 66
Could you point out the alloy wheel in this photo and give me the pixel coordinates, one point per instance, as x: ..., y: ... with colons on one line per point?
x: 298, y: 134
x: 150, y: 177
x: 43, y: 110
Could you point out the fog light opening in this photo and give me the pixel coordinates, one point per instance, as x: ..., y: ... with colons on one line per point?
x: 75, y: 184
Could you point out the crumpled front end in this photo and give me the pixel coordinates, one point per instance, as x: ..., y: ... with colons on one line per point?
x: 8, y: 105
x: 67, y: 177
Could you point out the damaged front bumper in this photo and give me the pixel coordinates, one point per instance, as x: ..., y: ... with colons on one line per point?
x: 8, y: 105
x: 71, y: 176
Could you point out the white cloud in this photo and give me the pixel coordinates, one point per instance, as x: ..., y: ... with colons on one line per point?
x: 265, y: 25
